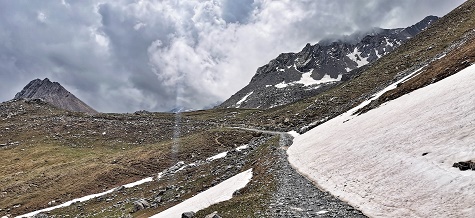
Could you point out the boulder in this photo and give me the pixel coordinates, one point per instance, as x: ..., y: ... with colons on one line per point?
x: 190, y: 214
x: 213, y: 215
x: 40, y: 215
x: 465, y: 165
x: 140, y: 205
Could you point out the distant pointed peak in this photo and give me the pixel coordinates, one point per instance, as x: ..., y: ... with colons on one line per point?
x: 54, y: 93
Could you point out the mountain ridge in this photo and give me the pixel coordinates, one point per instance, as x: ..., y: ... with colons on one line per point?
x: 316, y: 68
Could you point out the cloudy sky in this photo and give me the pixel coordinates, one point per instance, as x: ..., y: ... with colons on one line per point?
x: 129, y: 55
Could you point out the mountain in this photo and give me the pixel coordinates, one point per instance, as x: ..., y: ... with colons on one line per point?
x: 294, y: 76
x: 55, y: 94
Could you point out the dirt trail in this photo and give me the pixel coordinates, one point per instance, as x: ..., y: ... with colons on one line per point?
x: 296, y: 196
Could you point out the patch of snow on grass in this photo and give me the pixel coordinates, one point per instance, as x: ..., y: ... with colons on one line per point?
x: 238, y: 104
x: 218, y: 156
x: 140, y: 182
x: 322, y: 212
x: 219, y: 193
x: 242, y: 147
x: 293, y: 133
x: 378, y: 166
x: 88, y: 197
x: 350, y: 113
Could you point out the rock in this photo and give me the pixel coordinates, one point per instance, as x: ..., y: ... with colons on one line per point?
x: 40, y: 215
x: 158, y: 200
x: 286, y: 120
x: 213, y: 215
x: 140, y: 205
x: 190, y: 214
x: 121, y: 188
x: 465, y: 165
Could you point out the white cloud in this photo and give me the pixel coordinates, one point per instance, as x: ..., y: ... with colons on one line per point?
x: 139, y: 25
x: 41, y: 17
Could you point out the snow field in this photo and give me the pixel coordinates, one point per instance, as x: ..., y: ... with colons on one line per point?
x: 375, y: 161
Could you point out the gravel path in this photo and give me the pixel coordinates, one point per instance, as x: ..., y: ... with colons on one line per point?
x: 298, y: 197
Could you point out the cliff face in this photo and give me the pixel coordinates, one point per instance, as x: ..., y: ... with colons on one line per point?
x: 293, y: 76
x: 55, y: 94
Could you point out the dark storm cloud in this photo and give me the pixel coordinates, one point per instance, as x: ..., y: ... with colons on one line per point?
x: 128, y: 55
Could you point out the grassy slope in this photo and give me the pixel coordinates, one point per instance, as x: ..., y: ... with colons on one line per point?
x: 59, y: 158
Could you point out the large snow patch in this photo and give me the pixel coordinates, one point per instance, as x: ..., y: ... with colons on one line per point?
x: 375, y: 161
x: 219, y: 193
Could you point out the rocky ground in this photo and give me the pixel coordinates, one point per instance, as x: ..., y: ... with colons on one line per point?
x: 298, y: 197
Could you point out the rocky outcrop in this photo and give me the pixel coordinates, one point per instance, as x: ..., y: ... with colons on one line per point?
x: 293, y: 76
x: 140, y: 205
x: 55, y: 94
x: 190, y: 214
x: 465, y: 165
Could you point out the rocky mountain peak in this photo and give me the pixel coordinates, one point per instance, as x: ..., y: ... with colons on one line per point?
x: 316, y: 68
x: 55, y: 94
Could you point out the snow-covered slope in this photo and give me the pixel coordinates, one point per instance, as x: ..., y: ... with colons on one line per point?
x: 219, y: 193
x: 396, y: 160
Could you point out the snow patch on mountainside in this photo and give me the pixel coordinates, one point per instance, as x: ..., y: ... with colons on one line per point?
x: 388, y: 42
x: 219, y: 193
x: 307, y: 80
x: 356, y: 57
x: 396, y: 160
x: 218, y: 156
x: 238, y: 104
